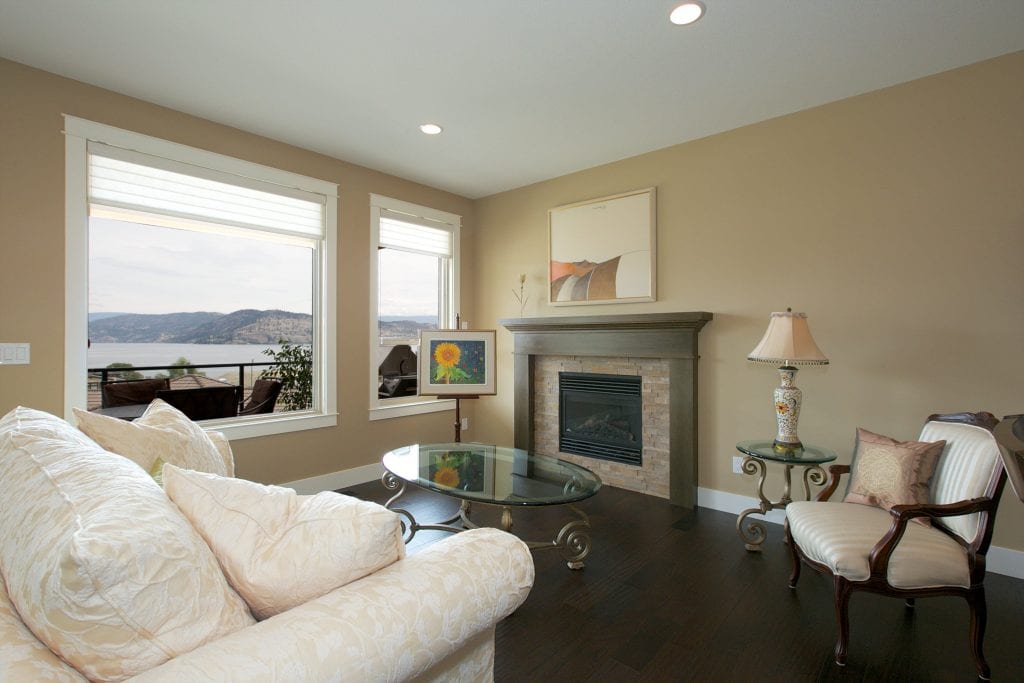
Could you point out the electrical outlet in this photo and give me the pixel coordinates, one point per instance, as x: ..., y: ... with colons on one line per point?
x: 465, y: 424
x: 737, y: 464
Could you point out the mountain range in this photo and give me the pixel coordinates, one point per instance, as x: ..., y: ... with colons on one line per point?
x: 247, y: 326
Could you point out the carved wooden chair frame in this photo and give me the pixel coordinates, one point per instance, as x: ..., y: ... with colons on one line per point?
x: 882, y: 550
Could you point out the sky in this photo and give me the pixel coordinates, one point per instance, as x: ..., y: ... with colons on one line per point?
x: 408, y: 283
x: 137, y: 268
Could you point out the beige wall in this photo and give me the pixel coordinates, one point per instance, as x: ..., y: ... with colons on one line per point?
x: 894, y: 219
x: 902, y: 211
x: 32, y: 261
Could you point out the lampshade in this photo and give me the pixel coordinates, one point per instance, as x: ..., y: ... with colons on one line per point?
x: 788, y: 341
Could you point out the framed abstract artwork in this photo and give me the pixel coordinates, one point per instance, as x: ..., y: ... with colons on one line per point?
x: 456, y: 363
x: 603, y: 251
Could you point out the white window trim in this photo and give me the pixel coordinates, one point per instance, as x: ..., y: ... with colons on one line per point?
x: 77, y: 133
x: 414, y: 213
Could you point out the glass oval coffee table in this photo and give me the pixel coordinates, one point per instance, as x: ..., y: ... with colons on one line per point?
x: 493, y: 475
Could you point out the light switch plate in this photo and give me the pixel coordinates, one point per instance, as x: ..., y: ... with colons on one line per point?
x: 15, y: 354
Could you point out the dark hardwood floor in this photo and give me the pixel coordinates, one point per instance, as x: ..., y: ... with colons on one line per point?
x: 671, y: 595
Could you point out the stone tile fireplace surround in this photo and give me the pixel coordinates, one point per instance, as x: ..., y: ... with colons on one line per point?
x: 659, y: 347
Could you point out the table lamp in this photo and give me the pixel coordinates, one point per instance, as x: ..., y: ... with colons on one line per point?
x: 788, y: 341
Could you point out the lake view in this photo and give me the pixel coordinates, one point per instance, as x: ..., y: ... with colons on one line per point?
x: 102, y: 355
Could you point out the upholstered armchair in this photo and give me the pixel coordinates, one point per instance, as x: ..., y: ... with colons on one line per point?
x: 865, y: 547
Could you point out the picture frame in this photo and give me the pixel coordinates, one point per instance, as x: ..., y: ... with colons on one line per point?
x: 469, y: 468
x: 457, y: 363
x: 604, y: 250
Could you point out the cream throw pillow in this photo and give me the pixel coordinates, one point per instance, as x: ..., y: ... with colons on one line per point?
x: 100, y: 565
x: 888, y: 472
x: 279, y: 549
x: 162, y: 432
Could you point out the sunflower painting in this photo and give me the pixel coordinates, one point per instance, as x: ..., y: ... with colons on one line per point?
x: 458, y: 362
x: 457, y: 469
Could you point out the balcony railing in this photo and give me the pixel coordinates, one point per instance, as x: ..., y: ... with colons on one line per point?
x: 99, y: 376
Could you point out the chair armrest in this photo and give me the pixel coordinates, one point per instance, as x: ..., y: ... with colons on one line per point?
x: 834, y: 474
x: 902, y: 514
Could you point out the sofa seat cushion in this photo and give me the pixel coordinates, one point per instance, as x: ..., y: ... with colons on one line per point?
x: 396, y: 624
x: 100, y: 565
x: 162, y: 432
x: 22, y: 656
x: 279, y: 549
x: 841, y: 536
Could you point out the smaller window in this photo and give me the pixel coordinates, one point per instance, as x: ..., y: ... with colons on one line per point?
x: 414, y: 275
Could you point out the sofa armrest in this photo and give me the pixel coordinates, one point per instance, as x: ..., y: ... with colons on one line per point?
x: 389, y: 626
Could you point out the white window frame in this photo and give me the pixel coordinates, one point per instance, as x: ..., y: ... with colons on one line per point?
x: 382, y: 409
x: 78, y: 133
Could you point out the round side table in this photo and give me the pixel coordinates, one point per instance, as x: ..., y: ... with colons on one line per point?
x: 759, y: 452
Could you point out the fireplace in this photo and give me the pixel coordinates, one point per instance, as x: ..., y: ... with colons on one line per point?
x: 658, y: 348
x: 600, y: 416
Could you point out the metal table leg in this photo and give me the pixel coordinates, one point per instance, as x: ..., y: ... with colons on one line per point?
x: 755, y: 532
x: 573, y: 538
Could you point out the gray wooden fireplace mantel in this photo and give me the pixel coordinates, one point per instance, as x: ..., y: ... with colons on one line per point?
x: 670, y: 336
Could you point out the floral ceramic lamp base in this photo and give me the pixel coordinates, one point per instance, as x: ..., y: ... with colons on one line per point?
x: 788, y: 398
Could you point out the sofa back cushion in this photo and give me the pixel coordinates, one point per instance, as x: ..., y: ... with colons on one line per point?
x: 100, y: 565
x: 22, y: 656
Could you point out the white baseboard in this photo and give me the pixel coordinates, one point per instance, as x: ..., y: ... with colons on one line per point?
x: 337, y: 480
x: 999, y: 560
x: 1005, y: 561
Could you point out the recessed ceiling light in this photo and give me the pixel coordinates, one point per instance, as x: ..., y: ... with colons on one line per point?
x: 687, y: 13
x: 431, y: 128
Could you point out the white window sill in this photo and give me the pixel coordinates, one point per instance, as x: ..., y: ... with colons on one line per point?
x: 266, y: 425
x: 421, y: 407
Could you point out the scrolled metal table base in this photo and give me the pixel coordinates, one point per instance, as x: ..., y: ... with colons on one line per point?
x: 573, y: 538
x: 755, y: 532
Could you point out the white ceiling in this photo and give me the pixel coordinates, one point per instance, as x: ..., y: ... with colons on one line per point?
x: 525, y: 89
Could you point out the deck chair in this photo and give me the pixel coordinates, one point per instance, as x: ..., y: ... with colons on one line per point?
x: 204, y: 403
x: 130, y: 392
x: 263, y: 397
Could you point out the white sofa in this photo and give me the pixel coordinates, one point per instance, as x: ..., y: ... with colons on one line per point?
x: 69, y: 616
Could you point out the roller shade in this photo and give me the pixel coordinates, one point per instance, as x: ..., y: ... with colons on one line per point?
x: 131, y: 180
x: 412, y: 237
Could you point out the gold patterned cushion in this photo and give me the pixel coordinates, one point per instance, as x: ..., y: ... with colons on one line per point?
x: 100, y: 565
x: 887, y: 472
x: 162, y: 432
x: 279, y: 549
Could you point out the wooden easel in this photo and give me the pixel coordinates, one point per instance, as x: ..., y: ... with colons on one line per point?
x: 458, y: 397
x: 458, y: 414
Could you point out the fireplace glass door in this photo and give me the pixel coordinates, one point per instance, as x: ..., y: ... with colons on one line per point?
x: 600, y: 416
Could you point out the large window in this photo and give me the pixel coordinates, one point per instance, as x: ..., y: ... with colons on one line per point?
x: 414, y: 271
x: 208, y: 272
